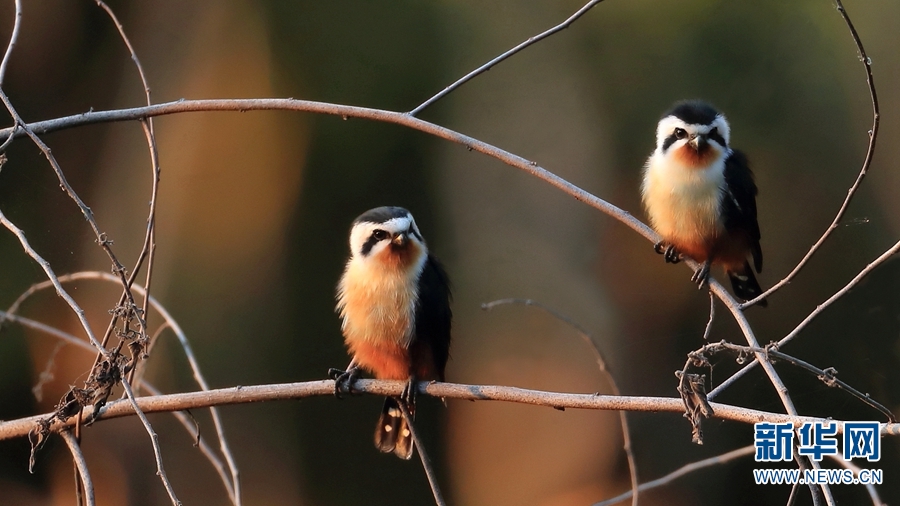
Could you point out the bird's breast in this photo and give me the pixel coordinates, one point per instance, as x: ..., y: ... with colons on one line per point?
x: 684, y: 203
x: 377, y: 305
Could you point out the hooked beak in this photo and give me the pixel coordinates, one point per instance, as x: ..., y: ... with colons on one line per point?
x: 698, y: 142
x: 400, y: 239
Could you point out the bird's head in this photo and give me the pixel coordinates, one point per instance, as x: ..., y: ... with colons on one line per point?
x: 693, y: 133
x: 387, y: 237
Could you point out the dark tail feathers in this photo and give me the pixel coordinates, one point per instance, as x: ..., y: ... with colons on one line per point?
x: 392, y: 433
x: 745, y: 285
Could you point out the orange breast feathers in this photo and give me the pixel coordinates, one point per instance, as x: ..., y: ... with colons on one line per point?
x: 683, y: 205
x: 693, y: 159
x: 377, y: 301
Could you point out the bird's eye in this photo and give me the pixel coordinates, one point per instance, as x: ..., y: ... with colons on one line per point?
x: 680, y: 133
x: 380, y: 235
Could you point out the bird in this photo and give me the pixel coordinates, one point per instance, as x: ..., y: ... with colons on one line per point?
x: 700, y: 196
x: 394, y: 303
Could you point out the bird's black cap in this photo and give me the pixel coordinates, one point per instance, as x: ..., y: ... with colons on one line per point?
x: 381, y: 214
x: 694, y: 112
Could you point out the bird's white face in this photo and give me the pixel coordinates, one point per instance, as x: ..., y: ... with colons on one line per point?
x: 393, y: 242
x: 696, y: 146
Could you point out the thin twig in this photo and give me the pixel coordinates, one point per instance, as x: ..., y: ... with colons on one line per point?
x: 43, y: 327
x: 149, y: 245
x: 193, y: 429
x: 604, y: 371
x: 792, y: 498
x: 487, y: 66
x: 154, y: 440
x: 192, y: 361
x: 137, y: 62
x: 780, y: 388
x: 893, y: 250
x: 384, y: 388
x: 101, y: 237
x: 81, y: 344
x: 53, y: 280
x: 712, y: 314
x: 870, y: 152
x: 80, y: 465
x: 682, y: 471
x: 17, y: 25
x: 873, y: 492
x: 46, y: 376
x: 183, y: 341
x: 827, y: 376
x: 423, y: 456
x: 137, y: 377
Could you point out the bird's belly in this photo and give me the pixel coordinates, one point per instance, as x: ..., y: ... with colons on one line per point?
x: 686, y: 217
x: 385, y: 360
x: 377, y: 331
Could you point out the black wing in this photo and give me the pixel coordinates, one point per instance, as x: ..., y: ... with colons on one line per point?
x: 739, y: 204
x: 433, y: 314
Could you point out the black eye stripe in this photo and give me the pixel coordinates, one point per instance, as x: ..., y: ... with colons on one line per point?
x: 368, y: 245
x: 669, y: 141
x: 715, y: 136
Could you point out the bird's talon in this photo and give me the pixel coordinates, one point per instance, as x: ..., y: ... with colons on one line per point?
x: 672, y: 255
x: 408, y: 396
x: 343, y: 380
x: 701, y: 275
x: 658, y: 248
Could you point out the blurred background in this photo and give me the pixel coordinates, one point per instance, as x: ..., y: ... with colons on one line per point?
x: 255, y: 209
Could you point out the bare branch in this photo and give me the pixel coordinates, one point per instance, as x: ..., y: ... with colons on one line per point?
x: 873, y: 493
x: 269, y: 104
x: 70, y: 339
x: 12, y: 42
x: 827, y: 376
x: 80, y: 465
x: 288, y: 391
x: 179, y: 334
x: 192, y: 360
x: 487, y: 66
x: 604, y: 371
x: 194, y: 430
x: 43, y: 327
x: 121, y: 29
x: 893, y: 250
x: 712, y: 314
x: 154, y: 440
x: 681, y: 471
x: 53, y: 280
x: 426, y: 462
x: 870, y: 152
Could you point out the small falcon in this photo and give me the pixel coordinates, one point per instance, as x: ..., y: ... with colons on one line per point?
x: 394, y: 302
x: 701, y: 198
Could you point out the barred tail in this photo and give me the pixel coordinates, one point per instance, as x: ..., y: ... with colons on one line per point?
x: 745, y: 285
x: 392, y: 433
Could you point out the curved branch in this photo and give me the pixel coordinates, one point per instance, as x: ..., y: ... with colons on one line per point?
x: 345, y: 111
x: 81, y: 465
x: 870, y: 152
